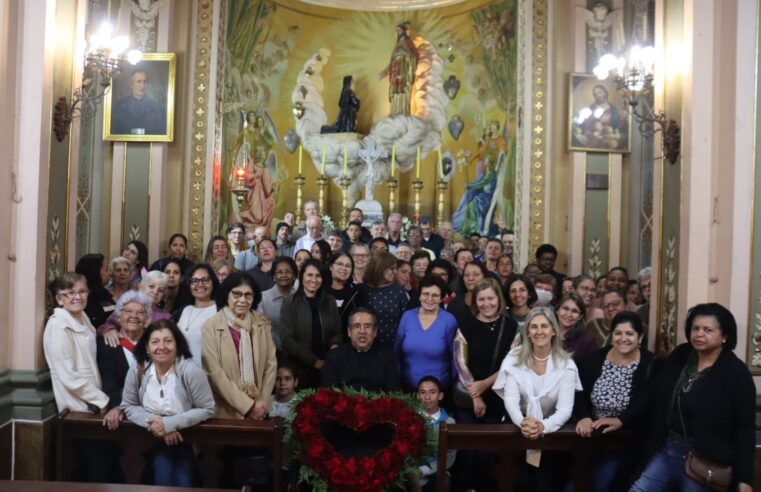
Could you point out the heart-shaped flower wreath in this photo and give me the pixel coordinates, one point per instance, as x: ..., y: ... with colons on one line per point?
x: 325, y: 468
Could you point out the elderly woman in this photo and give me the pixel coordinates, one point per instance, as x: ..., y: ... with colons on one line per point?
x: 121, y: 277
x: 272, y: 299
x: 615, y: 381
x: 217, y: 249
x: 520, y: 296
x: 137, y: 253
x: 132, y: 314
x: 222, y: 268
x: 577, y: 341
x: 537, y: 381
x: 197, y: 305
x: 384, y: 297
x: 311, y: 325
x: 100, y: 303
x: 704, y: 404
x: 178, y: 245
x: 360, y: 253
x: 173, y: 271
x: 165, y: 393
x: 70, y: 351
x: 153, y: 285
x: 425, y: 337
x: 483, y: 340
x: 238, y: 351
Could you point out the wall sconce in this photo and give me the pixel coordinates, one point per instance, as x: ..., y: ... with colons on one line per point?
x: 239, y: 184
x: 634, y: 77
x: 104, y: 59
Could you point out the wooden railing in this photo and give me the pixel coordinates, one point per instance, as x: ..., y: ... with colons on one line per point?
x: 506, y: 440
x: 134, y: 440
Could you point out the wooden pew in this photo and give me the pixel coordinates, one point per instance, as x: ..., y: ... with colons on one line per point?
x: 134, y: 440
x: 506, y: 440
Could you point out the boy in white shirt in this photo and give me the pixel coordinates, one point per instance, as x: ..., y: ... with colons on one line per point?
x: 430, y: 395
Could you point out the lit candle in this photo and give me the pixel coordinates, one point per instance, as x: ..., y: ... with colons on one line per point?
x: 441, y: 165
x: 322, y: 171
x: 346, y: 159
x: 301, y: 149
x: 417, y: 167
x: 393, y: 159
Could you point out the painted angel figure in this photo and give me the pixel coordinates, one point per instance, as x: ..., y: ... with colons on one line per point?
x: 605, y: 28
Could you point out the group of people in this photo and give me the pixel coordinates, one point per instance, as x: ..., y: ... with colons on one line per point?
x: 171, y: 344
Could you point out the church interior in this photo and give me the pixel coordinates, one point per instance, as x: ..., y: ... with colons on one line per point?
x: 623, y: 132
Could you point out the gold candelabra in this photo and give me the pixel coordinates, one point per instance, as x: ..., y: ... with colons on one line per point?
x: 322, y: 183
x: 299, y: 180
x: 417, y: 185
x: 344, y: 183
x: 441, y: 186
x: 393, y: 184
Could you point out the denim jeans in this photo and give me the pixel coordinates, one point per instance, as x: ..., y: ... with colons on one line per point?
x: 666, y: 470
x: 173, y: 465
x: 603, y: 473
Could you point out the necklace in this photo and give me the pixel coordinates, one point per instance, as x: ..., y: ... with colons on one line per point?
x: 194, y: 314
x: 545, y: 359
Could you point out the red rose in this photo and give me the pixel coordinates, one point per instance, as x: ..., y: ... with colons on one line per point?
x: 314, y: 450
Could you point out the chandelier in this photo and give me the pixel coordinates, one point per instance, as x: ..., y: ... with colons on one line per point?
x: 634, y: 76
x: 105, y: 57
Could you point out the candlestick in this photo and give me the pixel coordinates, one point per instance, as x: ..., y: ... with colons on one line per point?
x: 344, y: 183
x: 322, y: 168
x: 299, y: 180
x: 393, y: 159
x: 417, y: 185
x: 441, y: 186
x: 322, y: 182
x: 441, y: 165
x: 301, y: 151
x: 346, y: 160
x: 393, y: 184
x: 417, y: 167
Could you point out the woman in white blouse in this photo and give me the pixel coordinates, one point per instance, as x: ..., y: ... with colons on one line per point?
x: 197, y: 304
x: 537, y: 381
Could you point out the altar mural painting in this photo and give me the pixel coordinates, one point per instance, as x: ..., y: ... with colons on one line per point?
x: 285, y: 64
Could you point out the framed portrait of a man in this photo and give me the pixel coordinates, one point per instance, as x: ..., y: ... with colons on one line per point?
x: 139, y: 106
x: 599, y: 118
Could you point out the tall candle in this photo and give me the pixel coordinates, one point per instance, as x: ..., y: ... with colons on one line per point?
x: 322, y: 170
x: 346, y: 160
x: 393, y: 159
x: 301, y: 149
x: 441, y: 165
x: 417, y: 167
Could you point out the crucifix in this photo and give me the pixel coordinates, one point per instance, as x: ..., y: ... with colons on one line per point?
x: 370, y: 154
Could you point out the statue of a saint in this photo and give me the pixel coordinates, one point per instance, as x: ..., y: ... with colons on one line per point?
x: 347, y: 116
x: 401, y: 71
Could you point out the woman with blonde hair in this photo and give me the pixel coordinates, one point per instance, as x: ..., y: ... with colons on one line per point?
x: 537, y: 382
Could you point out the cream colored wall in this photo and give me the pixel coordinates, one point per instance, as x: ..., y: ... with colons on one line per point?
x: 8, y: 33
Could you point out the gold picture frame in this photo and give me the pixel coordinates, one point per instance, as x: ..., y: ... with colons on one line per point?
x: 139, y: 105
x: 598, y: 117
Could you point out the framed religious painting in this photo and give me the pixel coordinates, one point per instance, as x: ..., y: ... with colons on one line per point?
x: 599, y: 119
x: 139, y: 106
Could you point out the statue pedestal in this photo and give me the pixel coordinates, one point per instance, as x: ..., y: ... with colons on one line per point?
x: 371, y: 209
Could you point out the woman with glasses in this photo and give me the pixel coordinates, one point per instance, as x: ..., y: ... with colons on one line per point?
x: 70, y: 351
x: 197, y: 305
x: 340, y: 286
x: 133, y: 315
x: 425, y: 338
x: 311, y: 325
x: 153, y: 285
x: 238, y: 351
x: 272, y: 299
x: 384, y: 297
x: 360, y: 253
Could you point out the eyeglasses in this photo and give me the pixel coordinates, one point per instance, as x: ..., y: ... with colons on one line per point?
x: 363, y: 326
x: 133, y: 312
x: 249, y: 296
x: 430, y: 295
x: 196, y: 281
x: 70, y: 294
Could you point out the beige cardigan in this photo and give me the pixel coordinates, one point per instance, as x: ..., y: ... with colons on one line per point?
x: 220, y: 360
